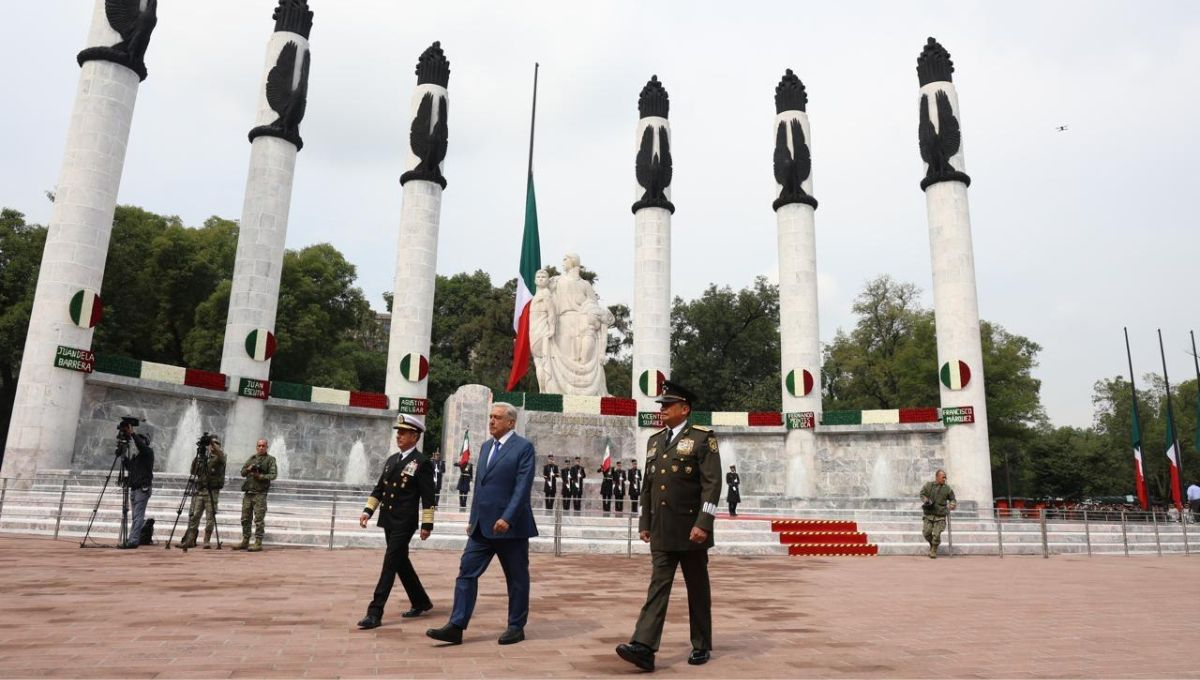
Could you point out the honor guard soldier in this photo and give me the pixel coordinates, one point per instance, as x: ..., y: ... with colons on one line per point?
x: 734, y: 496
x: 679, y: 496
x: 550, y: 481
x: 606, y: 488
x: 619, y: 487
x: 635, y: 485
x: 577, y: 476
x: 439, y: 471
x: 466, y: 472
x: 404, y: 488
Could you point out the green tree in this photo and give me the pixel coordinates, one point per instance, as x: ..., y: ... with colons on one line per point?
x: 20, y: 257
x: 725, y: 346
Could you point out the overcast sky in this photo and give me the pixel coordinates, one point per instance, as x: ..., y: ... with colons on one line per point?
x: 1076, y: 233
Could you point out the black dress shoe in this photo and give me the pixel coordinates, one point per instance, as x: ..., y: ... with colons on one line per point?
x: 699, y: 657
x: 449, y: 633
x: 637, y: 654
x: 512, y: 636
x: 415, y: 612
x: 369, y: 621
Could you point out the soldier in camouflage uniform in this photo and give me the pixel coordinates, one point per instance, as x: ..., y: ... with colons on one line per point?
x: 936, y: 497
x: 210, y: 479
x: 679, y: 503
x: 258, y: 471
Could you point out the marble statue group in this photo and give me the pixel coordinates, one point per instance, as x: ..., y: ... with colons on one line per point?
x: 568, y: 332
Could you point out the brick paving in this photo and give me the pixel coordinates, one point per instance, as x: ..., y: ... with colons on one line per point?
x: 283, y: 613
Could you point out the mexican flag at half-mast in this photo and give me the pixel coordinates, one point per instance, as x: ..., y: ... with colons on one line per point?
x: 1139, y: 472
x: 1172, y: 443
x: 607, y: 462
x: 531, y: 261
x: 465, y: 456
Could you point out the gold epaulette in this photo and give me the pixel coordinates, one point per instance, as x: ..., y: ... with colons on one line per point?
x: 372, y: 503
x: 427, y: 515
x: 702, y: 428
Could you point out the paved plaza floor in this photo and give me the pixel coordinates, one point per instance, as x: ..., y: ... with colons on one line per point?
x: 152, y: 613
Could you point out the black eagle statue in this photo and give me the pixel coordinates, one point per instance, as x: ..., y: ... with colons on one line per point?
x: 654, y: 169
x: 792, y: 167
x: 134, y: 25
x: 428, y: 140
x: 286, y: 99
x: 939, y: 146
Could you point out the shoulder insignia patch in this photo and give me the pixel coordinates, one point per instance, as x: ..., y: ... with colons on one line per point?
x: 712, y: 444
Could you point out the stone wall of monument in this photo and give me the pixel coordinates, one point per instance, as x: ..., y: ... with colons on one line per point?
x: 310, y: 441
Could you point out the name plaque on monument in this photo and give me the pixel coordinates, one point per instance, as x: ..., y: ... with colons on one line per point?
x: 255, y: 389
x: 412, y: 406
x: 649, y: 419
x: 803, y: 420
x: 72, y: 359
x: 958, y: 415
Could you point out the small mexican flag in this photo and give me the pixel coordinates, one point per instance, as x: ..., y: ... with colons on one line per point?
x: 607, y: 462
x: 260, y: 344
x: 651, y: 383
x: 805, y: 383
x: 414, y: 367
x: 465, y: 456
x: 86, y: 308
x: 955, y: 374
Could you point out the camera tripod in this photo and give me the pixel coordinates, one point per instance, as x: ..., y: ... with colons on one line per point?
x: 199, y: 462
x: 123, y: 534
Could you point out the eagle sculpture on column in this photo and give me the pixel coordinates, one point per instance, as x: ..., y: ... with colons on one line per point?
x: 285, y: 96
x: 134, y: 24
x: 429, y: 140
x: 792, y: 166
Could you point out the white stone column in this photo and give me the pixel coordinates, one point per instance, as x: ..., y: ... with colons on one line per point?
x: 46, y: 411
x: 956, y: 306
x: 652, y: 210
x: 254, y: 295
x: 417, y: 242
x: 799, y: 334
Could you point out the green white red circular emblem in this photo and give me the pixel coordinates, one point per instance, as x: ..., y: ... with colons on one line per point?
x: 801, y: 387
x: 651, y: 383
x: 414, y: 367
x: 86, y: 308
x: 955, y: 374
x: 260, y: 344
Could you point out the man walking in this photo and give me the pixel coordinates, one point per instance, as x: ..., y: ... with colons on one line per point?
x: 681, y: 491
x: 405, y: 486
x: 936, y: 497
x: 501, y: 524
x: 259, y: 471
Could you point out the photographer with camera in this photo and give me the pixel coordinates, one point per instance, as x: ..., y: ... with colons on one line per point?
x: 208, y: 470
x: 258, y: 471
x: 138, y: 472
x: 937, y: 498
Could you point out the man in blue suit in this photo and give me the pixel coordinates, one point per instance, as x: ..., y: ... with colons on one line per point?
x: 501, y: 524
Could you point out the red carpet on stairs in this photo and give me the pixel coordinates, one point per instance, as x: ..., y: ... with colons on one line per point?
x: 823, y: 537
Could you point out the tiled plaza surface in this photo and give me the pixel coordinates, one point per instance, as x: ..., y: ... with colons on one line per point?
x: 152, y: 613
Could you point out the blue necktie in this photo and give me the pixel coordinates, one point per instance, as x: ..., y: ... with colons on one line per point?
x: 495, y: 452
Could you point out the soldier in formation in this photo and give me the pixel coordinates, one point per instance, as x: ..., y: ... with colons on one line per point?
x: 606, y: 488
x: 635, y: 485
x: 404, y: 497
x: 619, y: 481
x: 550, y: 481
x: 258, y: 471
x: 734, y: 495
x: 680, y: 492
x: 439, y: 471
x: 466, y: 472
x: 576, y: 476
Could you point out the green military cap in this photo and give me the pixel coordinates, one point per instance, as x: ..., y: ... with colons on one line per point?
x: 673, y: 392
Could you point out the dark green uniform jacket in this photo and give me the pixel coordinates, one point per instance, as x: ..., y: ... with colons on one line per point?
x: 261, y: 483
x: 405, y: 485
x: 211, y: 476
x: 681, y: 487
x: 940, y: 494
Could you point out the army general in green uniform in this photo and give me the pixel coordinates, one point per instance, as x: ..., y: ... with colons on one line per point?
x: 936, y: 499
x: 679, y: 500
x: 258, y: 471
